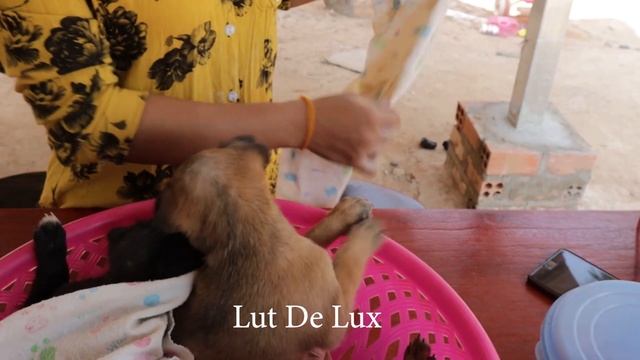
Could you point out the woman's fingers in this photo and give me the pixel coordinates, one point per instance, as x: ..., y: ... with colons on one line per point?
x: 389, y: 118
x: 352, y: 129
x: 367, y: 165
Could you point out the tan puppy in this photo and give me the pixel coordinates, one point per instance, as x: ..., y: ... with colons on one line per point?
x: 255, y: 259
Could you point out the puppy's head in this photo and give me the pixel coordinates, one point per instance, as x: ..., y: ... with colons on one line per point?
x: 214, y: 190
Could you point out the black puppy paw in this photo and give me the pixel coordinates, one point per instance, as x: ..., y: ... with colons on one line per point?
x: 49, y: 238
x: 50, y: 247
x: 418, y: 349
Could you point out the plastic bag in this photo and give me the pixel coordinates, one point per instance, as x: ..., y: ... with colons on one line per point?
x: 402, y: 34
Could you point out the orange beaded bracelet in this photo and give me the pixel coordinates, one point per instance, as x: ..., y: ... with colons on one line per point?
x: 311, y: 121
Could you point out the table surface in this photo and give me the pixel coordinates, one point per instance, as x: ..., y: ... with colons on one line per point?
x: 484, y: 255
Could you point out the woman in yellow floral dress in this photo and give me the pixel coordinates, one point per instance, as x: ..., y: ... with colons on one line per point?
x: 120, y: 85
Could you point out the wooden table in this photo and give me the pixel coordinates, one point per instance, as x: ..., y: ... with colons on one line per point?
x: 484, y: 255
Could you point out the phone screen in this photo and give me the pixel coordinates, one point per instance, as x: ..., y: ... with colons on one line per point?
x: 564, y: 271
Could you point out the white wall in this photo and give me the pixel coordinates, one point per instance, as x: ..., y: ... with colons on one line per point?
x: 627, y: 11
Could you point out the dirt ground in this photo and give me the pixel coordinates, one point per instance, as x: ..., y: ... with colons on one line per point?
x: 597, y: 88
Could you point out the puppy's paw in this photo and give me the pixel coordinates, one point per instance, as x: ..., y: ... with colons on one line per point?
x: 352, y: 210
x: 50, y: 237
x: 418, y: 349
x: 369, y: 232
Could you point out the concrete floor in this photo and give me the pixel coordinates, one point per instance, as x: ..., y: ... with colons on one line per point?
x: 597, y: 88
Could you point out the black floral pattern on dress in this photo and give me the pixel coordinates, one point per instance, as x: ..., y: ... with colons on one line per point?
x: 108, y: 147
x: 83, y: 108
x: 173, y: 67
x: 205, y: 44
x: 65, y: 144
x: 126, y: 36
x: 120, y: 125
x: 178, y: 62
x: 43, y: 98
x: 144, y: 185
x: 74, y: 46
x: 83, y: 172
x: 285, y: 5
x: 268, y: 65
x: 66, y: 137
x: 19, y: 37
x: 241, y: 6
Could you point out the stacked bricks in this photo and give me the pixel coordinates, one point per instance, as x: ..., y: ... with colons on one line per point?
x: 494, y: 170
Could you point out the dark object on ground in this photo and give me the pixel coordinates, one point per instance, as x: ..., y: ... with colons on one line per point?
x: 141, y: 252
x: 418, y: 349
x: 428, y: 144
x: 507, y: 54
x: 21, y: 191
x: 445, y: 145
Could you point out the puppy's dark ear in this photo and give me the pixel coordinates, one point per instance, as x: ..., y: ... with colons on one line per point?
x: 116, y: 235
x: 157, y: 204
x: 263, y: 151
x: 249, y: 142
x: 242, y: 139
x: 176, y: 256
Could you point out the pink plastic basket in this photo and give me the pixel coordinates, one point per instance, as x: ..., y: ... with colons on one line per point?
x: 412, y: 298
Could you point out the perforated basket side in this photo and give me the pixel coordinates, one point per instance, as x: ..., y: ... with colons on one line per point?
x: 434, y: 309
x: 86, y: 254
x: 412, y: 298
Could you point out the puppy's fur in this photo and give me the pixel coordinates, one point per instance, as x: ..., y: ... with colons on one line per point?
x: 418, y: 349
x: 141, y: 252
x: 254, y: 258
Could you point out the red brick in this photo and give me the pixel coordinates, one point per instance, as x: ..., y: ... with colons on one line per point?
x: 567, y: 163
x: 456, y: 144
x: 457, y: 179
x: 474, y: 178
x: 469, y: 132
x: 508, y: 160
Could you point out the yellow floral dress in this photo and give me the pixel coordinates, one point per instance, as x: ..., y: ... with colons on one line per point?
x: 86, y: 67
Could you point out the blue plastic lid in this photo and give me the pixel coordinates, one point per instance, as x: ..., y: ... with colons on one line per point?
x: 600, y: 320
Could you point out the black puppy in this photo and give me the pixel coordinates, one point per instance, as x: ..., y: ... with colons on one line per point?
x: 141, y: 252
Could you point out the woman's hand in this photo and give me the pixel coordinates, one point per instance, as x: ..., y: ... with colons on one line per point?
x: 351, y: 129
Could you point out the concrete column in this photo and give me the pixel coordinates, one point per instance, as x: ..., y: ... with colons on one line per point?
x: 538, y: 61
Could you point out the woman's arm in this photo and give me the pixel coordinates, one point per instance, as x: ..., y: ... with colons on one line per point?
x: 350, y: 129
x: 171, y: 129
x: 295, y: 3
x: 90, y: 119
x: 288, y: 4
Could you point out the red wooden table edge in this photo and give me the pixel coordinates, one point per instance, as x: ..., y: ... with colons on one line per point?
x: 401, y: 222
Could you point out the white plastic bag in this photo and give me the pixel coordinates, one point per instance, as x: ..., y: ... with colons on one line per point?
x: 402, y: 34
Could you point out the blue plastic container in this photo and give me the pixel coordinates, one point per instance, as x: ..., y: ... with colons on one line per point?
x: 595, y: 321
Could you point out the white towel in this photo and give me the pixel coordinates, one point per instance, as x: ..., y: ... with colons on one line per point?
x: 127, y: 321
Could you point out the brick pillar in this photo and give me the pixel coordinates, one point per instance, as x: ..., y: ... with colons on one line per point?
x: 523, y: 154
x: 540, y: 53
x: 494, y: 166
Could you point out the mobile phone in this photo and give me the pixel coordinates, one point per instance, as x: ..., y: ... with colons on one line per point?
x: 563, y: 271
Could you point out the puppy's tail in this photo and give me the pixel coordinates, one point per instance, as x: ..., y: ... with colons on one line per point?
x: 50, y: 245
x: 418, y: 349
